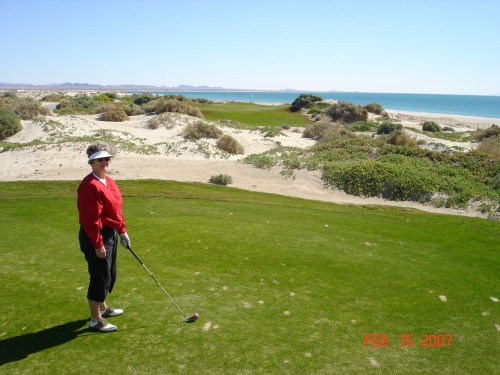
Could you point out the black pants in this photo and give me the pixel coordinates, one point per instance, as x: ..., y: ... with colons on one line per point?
x: 102, y: 271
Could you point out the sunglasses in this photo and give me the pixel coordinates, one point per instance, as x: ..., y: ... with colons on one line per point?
x: 103, y: 159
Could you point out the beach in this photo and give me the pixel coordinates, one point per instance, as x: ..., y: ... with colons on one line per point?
x: 178, y: 159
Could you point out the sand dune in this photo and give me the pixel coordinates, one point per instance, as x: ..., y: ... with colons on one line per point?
x: 176, y: 158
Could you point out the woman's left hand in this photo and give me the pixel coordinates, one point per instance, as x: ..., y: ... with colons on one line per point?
x: 124, y: 240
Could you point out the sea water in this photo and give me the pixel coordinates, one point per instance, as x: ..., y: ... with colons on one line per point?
x: 468, y: 105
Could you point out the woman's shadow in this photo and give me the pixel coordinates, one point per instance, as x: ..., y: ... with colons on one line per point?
x: 19, y: 347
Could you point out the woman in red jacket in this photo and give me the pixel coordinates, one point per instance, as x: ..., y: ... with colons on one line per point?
x: 101, y: 222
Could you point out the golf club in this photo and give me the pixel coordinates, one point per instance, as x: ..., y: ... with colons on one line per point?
x: 191, y: 319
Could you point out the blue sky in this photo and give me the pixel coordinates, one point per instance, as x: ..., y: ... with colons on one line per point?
x: 421, y: 46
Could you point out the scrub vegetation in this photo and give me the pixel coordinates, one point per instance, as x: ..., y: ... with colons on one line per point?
x: 118, y: 109
x: 282, y: 285
x: 359, y: 149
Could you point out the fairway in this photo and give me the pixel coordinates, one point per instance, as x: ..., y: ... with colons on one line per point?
x: 282, y: 285
x: 254, y: 115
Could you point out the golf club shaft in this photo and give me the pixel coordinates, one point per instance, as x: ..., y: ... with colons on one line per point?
x: 164, y: 291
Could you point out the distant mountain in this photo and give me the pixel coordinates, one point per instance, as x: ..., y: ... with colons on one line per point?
x: 124, y: 87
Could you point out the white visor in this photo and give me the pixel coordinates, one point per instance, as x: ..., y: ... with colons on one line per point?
x: 99, y: 154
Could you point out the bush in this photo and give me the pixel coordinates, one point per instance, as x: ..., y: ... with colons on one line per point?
x: 25, y: 108
x: 10, y: 123
x: 231, y: 145
x: 133, y: 110
x: 200, y: 130
x: 431, y: 126
x: 153, y: 123
x: 164, y: 119
x: 81, y: 104
x: 141, y: 99
x: 491, y: 146
x: 221, y: 179
x: 116, y: 114
x: 493, y: 131
x: 53, y: 98
x: 400, y: 180
x: 401, y: 139
x: 101, y: 98
x: 195, y: 112
x: 346, y: 112
x: 318, y: 130
x: 165, y: 104
x: 389, y: 127
x: 374, y: 108
x: 362, y: 126
x: 303, y: 100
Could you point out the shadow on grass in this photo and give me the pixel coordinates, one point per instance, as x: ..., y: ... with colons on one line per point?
x: 20, y: 347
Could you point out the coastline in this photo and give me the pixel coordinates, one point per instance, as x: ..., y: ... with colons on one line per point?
x: 480, y: 106
x: 181, y: 160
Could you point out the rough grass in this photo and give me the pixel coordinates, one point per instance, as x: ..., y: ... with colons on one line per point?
x: 283, y: 285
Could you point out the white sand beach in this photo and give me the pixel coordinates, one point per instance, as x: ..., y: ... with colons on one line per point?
x: 181, y: 160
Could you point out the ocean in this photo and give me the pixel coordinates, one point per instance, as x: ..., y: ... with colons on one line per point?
x: 468, y: 105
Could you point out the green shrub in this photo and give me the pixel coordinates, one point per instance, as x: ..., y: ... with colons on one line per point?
x: 389, y: 127
x: 25, y: 108
x: 115, y: 114
x: 112, y: 95
x: 448, y: 129
x: 229, y: 144
x: 10, y: 123
x: 493, y: 131
x: 362, y: 126
x: 431, y: 126
x: 101, y: 98
x: 153, y: 123
x: 163, y: 119
x: 200, y: 130
x: 81, y: 104
x: 165, y: 104
x: 270, y: 131
x: 221, y: 179
x: 303, y: 100
x: 133, y: 109
x: 195, y: 112
x: 10, y: 95
x: 316, y: 131
x: 346, y: 112
x: 401, y: 180
x: 53, y: 98
x: 491, y: 146
x: 141, y: 99
x: 374, y: 108
x: 401, y: 139
x: 104, y: 107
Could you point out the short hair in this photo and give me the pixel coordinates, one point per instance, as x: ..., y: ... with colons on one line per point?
x: 97, y: 146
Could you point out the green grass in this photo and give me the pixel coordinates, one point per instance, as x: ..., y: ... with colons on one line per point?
x: 287, y: 286
x: 253, y: 115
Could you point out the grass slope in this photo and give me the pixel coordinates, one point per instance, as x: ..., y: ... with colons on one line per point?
x: 283, y: 285
x: 253, y: 115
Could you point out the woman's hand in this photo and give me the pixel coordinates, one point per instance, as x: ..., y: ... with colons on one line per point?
x: 101, y: 252
x: 125, y: 240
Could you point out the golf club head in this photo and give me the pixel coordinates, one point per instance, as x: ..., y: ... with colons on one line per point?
x: 193, y: 318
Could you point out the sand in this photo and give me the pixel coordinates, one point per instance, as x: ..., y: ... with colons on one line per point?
x: 178, y: 159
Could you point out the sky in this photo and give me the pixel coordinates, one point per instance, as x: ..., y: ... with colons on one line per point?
x: 398, y: 46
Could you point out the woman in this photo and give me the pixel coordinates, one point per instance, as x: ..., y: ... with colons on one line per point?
x: 101, y: 222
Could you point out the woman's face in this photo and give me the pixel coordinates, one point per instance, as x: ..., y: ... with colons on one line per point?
x: 100, y: 166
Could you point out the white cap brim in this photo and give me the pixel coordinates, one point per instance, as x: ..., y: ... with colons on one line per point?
x: 99, y: 154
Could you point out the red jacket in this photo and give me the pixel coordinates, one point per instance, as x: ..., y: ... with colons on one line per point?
x: 99, y: 205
